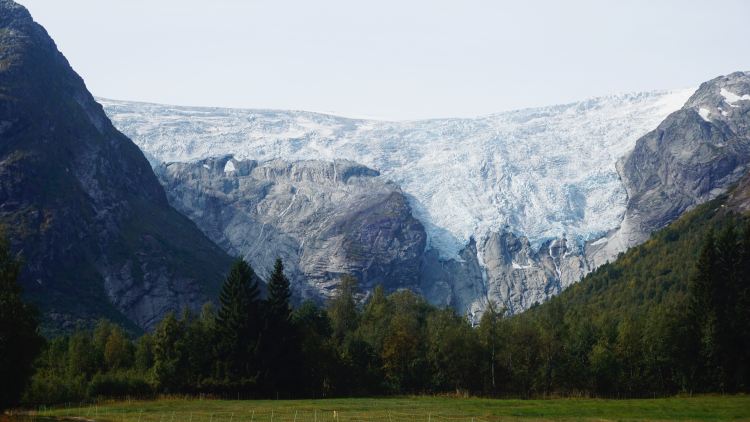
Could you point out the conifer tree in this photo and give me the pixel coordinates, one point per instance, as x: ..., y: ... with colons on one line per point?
x: 20, y: 341
x: 277, y: 304
x: 238, y: 327
x: 278, y: 343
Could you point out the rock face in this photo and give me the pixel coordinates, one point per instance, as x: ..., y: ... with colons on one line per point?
x: 80, y: 202
x: 543, y: 177
x: 692, y: 156
x: 327, y: 219
x: 695, y: 154
x: 520, y: 276
x: 324, y: 219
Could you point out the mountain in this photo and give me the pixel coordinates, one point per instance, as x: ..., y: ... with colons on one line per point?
x: 80, y: 202
x: 324, y: 219
x: 507, y: 201
x: 693, y: 156
x: 653, y: 277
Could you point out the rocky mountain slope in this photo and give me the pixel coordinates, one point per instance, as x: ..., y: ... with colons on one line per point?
x: 508, y: 202
x: 515, y: 206
x: 324, y: 219
x: 694, y: 155
x: 80, y: 202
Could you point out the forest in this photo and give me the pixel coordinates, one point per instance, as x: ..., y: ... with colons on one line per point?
x: 670, y: 316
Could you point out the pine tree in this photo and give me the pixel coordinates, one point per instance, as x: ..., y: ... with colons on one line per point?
x: 20, y: 341
x: 238, y: 327
x: 278, y: 345
x: 742, y: 311
x: 726, y: 290
x: 277, y: 304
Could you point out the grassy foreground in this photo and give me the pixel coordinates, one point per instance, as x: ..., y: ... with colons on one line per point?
x: 430, y: 409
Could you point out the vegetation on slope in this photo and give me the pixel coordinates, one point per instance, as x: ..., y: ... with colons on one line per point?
x: 669, y: 316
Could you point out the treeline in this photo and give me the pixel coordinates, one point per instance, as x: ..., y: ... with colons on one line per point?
x: 670, y: 316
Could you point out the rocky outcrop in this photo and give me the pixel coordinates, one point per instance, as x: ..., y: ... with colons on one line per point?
x: 694, y: 155
x: 324, y: 219
x: 519, y: 276
x: 80, y: 202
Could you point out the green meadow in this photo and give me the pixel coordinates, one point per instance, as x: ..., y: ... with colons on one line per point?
x: 430, y: 409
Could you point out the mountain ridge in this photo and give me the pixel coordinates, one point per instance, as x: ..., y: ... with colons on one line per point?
x: 80, y: 202
x: 516, y: 206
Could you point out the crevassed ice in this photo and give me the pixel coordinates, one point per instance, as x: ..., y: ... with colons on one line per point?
x: 542, y: 172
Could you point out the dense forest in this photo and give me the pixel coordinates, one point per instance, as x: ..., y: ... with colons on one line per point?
x: 669, y: 316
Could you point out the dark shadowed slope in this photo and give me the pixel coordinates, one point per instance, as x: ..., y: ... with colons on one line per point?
x: 79, y: 200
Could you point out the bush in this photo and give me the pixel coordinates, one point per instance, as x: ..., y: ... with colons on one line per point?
x: 119, y: 384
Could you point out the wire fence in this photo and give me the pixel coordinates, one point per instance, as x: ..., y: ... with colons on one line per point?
x: 135, y: 414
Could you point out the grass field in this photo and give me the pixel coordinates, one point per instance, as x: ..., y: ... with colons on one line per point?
x: 429, y: 409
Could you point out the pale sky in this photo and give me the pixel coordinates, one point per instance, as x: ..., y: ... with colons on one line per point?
x: 393, y: 59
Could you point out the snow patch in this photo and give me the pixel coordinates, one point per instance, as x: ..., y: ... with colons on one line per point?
x: 205, y: 166
x: 731, y: 98
x: 704, y: 113
x: 229, y: 167
x: 520, y: 267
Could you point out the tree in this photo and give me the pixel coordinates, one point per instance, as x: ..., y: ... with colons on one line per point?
x: 169, y: 354
x: 279, y: 348
x: 701, y: 306
x: 20, y: 341
x: 342, y: 309
x: 238, y: 327
x: 316, y: 349
x: 200, y: 341
x: 118, y: 350
x: 277, y: 303
x: 373, y: 325
x: 404, y: 346
x: 144, y: 353
x: 453, y: 352
x: 489, y: 336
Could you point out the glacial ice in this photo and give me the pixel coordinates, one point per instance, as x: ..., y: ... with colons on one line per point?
x: 540, y: 172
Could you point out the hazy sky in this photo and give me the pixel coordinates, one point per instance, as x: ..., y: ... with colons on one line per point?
x: 393, y: 59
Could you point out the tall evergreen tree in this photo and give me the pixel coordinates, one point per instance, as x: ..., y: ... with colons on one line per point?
x: 20, y: 341
x: 279, y: 346
x: 238, y: 327
x: 277, y: 303
x: 742, y: 314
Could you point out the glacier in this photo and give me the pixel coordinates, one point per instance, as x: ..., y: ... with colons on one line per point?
x: 543, y: 173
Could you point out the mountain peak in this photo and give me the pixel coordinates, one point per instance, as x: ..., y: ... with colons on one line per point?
x: 11, y: 11
x: 81, y: 203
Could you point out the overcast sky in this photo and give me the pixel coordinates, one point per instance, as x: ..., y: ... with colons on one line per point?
x: 393, y: 59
